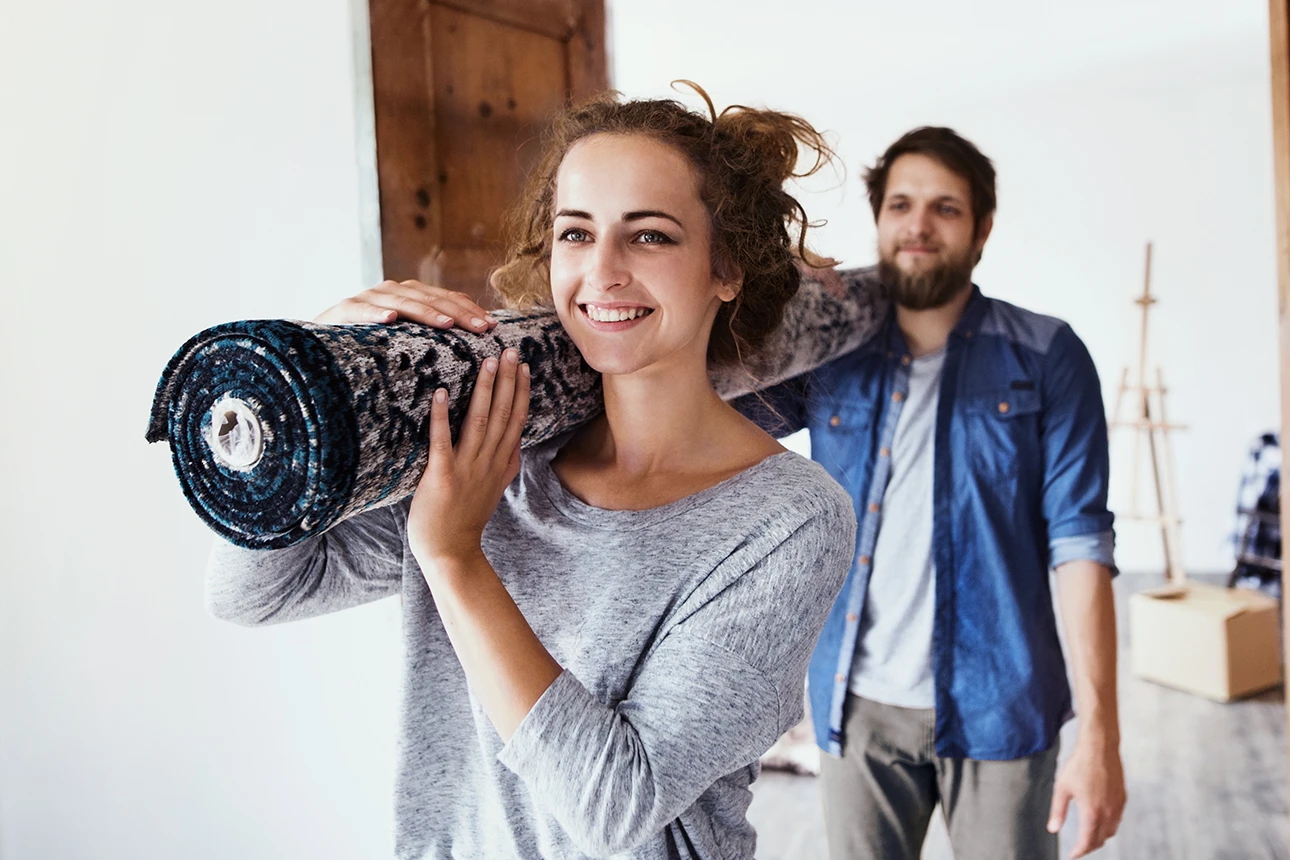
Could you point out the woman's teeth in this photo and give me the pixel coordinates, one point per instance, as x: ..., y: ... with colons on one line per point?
x: 614, y: 314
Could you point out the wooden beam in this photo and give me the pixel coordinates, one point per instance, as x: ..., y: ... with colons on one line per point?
x: 555, y: 18
x: 403, y: 95
x: 588, y: 60
x: 1279, y: 32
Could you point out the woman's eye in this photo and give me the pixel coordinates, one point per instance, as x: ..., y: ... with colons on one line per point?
x: 653, y: 237
x: 574, y: 234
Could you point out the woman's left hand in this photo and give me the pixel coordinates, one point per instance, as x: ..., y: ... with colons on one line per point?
x: 462, y: 485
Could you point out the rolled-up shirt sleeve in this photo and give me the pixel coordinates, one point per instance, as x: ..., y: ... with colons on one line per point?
x: 1076, y: 457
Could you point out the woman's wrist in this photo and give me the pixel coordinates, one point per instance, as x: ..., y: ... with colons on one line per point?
x: 447, y: 565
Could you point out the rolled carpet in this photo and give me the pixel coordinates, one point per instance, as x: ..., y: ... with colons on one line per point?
x: 278, y: 430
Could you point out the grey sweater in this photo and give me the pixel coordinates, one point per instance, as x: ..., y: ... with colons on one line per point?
x: 684, y: 632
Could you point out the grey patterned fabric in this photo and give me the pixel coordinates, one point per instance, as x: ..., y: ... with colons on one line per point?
x: 279, y: 429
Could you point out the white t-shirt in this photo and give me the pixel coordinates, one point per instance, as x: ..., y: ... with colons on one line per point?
x: 893, y: 659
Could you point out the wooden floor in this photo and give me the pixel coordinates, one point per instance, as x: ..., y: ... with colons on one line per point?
x: 1206, y: 781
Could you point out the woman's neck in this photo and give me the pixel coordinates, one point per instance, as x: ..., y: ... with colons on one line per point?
x: 658, y: 422
x: 665, y: 435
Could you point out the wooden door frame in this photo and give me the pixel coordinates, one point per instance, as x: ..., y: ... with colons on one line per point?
x: 401, y: 29
x: 371, y: 268
x: 1279, y: 33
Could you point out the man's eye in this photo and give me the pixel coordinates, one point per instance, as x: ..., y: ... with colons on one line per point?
x: 897, y: 207
x: 949, y: 210
x: 653, y: 237
x: 574, y: 234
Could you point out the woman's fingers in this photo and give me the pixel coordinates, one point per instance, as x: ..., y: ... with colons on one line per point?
x: 441, y: 456
x: 354, y: 311
x: 503, y: 404
x: 474, y: 427
x: 430, y: 305
x: 412, y: 301
x: 510, y: 441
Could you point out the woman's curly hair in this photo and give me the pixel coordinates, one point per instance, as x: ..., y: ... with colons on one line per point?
x: 743, y: 156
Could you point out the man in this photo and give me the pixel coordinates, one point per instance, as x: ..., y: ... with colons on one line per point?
x: 972, y: 437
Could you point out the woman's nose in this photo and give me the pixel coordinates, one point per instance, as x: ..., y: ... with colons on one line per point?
x: 608, y: 267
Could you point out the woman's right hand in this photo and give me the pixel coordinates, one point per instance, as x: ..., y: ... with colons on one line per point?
x: 463, y: 483
x: 413, y: 301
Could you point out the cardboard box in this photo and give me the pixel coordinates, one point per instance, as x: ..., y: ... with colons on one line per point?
x: 1220, y: 643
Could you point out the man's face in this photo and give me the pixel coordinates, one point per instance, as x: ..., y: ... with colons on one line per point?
x: 927, y: 247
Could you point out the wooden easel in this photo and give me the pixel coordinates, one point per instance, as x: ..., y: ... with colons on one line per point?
x: 1148, y: 421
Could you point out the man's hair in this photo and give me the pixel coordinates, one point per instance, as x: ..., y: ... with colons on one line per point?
x: 957, y: 154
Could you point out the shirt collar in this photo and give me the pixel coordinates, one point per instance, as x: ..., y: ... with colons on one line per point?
x: 890, y: 340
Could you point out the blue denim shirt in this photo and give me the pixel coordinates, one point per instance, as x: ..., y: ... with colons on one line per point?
x: 1019, y: 486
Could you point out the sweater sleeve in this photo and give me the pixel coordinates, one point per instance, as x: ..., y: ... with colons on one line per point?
x: 357, y: 561
x: 715, y: 692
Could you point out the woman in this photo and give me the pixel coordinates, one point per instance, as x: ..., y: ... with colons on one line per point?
x: 604, y: 633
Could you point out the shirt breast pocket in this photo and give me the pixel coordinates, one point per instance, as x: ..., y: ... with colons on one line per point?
x: 1003, y: 433
x: 840, y: 436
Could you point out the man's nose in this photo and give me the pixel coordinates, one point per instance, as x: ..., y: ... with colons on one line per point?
x: 920, y: 221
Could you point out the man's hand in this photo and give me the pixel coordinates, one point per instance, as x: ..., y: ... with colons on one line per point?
x: 413, y: 301
x: 824, y: 270
x: 1094, y: 779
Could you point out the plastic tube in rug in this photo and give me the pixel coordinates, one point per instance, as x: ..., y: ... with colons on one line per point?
x: 278, y: 430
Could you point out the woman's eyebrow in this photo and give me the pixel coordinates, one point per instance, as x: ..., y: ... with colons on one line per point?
x: 641, y: 214
x: 634, y: 215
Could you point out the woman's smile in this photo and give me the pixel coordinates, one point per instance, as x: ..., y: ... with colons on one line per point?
x: 616, y: 316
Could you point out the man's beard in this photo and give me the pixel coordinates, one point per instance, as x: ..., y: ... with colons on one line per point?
x: 930, y: 288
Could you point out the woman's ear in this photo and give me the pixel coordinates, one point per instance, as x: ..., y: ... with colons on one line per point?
x: 728, y: 288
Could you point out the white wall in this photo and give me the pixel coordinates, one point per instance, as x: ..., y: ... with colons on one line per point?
x: 1110, y: 123
x: 166, y: 166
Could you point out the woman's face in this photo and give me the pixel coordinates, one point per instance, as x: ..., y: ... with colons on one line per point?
x: 631, y: 269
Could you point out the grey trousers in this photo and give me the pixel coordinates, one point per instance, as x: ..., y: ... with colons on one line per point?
x: 879, y: 796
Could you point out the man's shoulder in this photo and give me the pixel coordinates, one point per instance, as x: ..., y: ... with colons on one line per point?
x: 1025, y: 328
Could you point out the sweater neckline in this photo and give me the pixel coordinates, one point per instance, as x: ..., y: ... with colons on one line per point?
x: 544, y: 476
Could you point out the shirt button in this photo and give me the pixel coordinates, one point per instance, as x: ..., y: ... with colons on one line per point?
x: 851, y: 616
x: 898, y: 396
x: 1003, y: 408
x: 891, y: 355
x: 884, y: 452
x: 967, y: 333
x: 835, y: 421
x: 905, y: 360
x: 864, y: 561
x: 873, y: 507
x: 839, y: 677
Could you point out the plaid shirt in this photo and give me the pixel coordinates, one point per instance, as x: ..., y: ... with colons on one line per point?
x: 1257, y: 537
